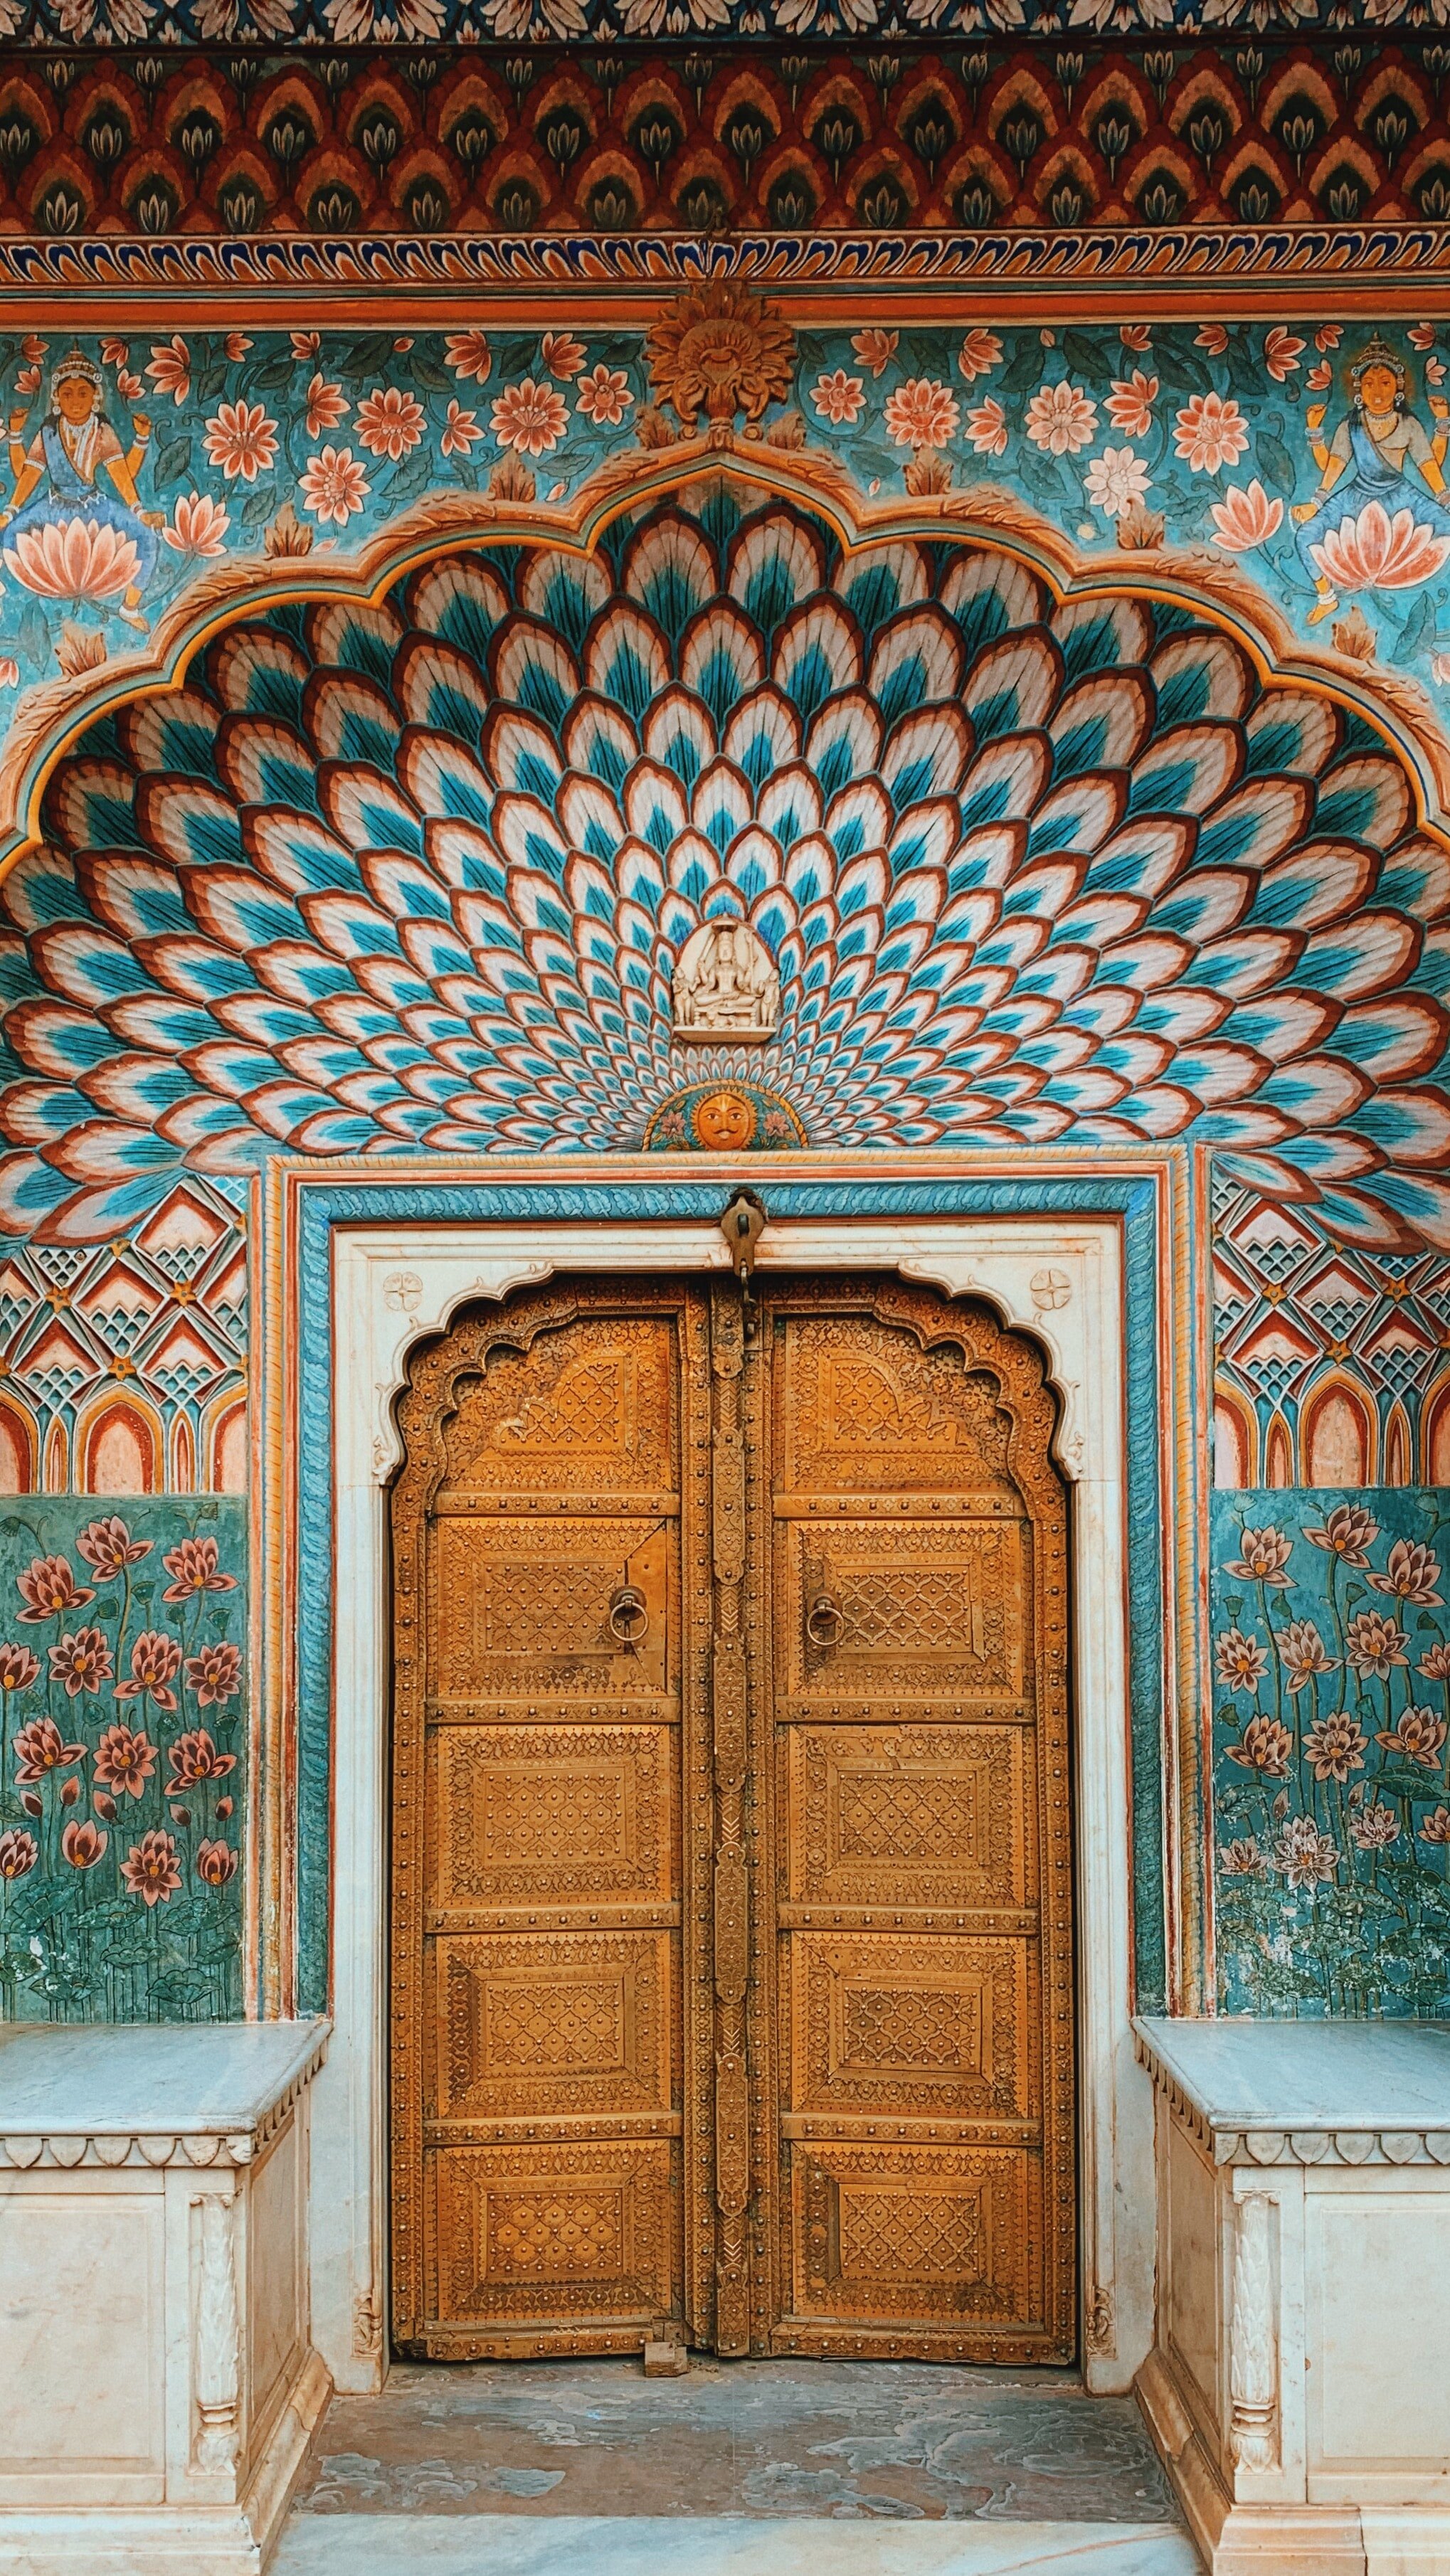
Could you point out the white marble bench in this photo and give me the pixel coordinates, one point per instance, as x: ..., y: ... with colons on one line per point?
x: 1299, y: 2385
x: 156, y: 2363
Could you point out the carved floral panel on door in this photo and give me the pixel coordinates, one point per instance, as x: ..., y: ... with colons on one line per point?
x: 1332, y: 1728
x: 123, y: 1790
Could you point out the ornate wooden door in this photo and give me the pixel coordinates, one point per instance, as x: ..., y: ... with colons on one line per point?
x: 909, y: 1583
x: 548, y: 1528
x: 732, y: 1897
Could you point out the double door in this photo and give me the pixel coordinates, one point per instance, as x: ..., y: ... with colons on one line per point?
x: 732, y: 1983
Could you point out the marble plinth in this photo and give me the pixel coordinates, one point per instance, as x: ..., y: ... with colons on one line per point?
x: 155, y: 2346
x: 649, y: 2545
x: 1297, y: 2383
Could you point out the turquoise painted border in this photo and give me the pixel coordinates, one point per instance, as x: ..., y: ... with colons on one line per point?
x: 325, y: 1204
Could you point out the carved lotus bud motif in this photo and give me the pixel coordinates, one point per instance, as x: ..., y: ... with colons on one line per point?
x: 720, y: 350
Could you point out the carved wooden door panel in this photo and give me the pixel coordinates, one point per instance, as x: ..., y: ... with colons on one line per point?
x: 548, y: 1533
x: 909, y: 1633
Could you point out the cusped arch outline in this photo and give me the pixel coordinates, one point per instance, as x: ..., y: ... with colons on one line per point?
x: 1045, y: 851
x: 50, y: 718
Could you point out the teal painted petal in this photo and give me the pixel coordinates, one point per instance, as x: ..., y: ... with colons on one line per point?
x: 460, y: 599
x: 627, y: 662
x: 1199, y: 677
x: 817, y: 652
x: 1188, y: 769
x: 1408, y: 1126
x: 566, y: 591
x: 1365, y: 799
x: 776, y: 562
x: 1013, y: 686
x: 442, y: 690
x: 990, y: 597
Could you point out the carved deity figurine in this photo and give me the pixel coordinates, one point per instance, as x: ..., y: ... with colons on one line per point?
x: 725, y: 984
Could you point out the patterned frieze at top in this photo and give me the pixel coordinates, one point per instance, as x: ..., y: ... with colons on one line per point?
x: 658, y: 23
x: 717, y: 135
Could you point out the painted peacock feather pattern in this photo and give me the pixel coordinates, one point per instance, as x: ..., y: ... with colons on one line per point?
x: 415, y: 877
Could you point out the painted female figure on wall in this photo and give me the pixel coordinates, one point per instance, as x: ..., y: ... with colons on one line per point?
x: 78, y: 530
x: 1387, y: 524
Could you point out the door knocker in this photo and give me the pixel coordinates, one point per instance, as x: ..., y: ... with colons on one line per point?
x: 825, y: 1619
x: 628, y: 1616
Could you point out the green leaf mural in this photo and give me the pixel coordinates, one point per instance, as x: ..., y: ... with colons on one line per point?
x: 1331, y: 1696
x: 122, y: 1665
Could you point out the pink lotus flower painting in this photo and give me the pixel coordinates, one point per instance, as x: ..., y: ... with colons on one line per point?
x: 1377, y: 552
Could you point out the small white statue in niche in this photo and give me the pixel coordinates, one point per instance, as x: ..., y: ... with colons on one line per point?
x: 725, y: 984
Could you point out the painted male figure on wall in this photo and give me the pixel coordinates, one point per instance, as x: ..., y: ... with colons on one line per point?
x: 70, y: 535
x: 1380, y: 453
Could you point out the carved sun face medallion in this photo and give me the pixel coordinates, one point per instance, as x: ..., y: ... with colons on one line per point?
x: 724, y: 1121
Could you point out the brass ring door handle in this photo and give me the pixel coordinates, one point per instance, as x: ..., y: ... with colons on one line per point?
x: 824, y: 1619
x: 628, y: 1614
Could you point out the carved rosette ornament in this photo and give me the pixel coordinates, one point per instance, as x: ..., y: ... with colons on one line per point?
x: 720, y: 350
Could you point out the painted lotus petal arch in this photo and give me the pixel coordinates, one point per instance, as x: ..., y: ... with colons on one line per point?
x: 416, y: 876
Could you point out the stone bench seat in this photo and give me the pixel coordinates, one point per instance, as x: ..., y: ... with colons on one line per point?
x: 155, y: 2344
x: 1297, y: 2387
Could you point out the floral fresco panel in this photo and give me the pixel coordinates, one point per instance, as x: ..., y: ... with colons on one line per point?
x: 123, y: 1673
x: 1310, y: 452
x: 1331, y: 1707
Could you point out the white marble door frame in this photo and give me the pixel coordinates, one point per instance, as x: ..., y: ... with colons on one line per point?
x: 394, y: 1285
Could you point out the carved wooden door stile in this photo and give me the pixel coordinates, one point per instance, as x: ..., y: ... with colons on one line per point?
x: 732, y: 1879
x: 552, y: 2091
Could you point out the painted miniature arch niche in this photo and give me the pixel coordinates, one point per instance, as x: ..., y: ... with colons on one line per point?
x: 1002, y: 553
x: 51, y: 719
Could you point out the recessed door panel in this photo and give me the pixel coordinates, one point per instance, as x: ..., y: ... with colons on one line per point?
x: 909, y: 2028
x: 929, y: 2245
x: 559, y: 1815
x: 925, y: 1819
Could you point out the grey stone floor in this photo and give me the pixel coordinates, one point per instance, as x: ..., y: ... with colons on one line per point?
x: 738, y: 2469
